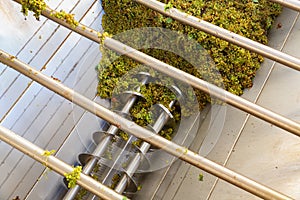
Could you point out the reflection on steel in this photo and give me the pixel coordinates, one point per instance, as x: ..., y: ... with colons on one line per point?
x: 292, y: 4
x: 223, y: 34
x: 142, y: 133
x: 55, y: 164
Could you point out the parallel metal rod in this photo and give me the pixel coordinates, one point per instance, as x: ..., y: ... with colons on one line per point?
x: 202, y: 25
x: 227, y: 97
x: 80, y: 29
x: 266, y: 194
x: 292, y: 4
x: 211, y: 89
x: 224, y: 34
x: 55, y: 164
x: 142, y: 133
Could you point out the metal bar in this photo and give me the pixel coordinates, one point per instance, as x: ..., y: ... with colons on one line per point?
x: 80, y: 29
x: 55, y: 164
x: 202, y: 25
x: 142, y: 133
x: 224, y: 34
x: 227, y: 97
x: 211, y: 89
x: 292, y: 4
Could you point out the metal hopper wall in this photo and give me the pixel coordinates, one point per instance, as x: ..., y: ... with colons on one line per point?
x: 49, y: 45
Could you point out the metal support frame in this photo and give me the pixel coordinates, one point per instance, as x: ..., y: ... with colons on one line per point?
x: 202, y: 25
x: 224, y: 34
x: 57, y: 165
x: 148, y: 136
x: 236, y: 101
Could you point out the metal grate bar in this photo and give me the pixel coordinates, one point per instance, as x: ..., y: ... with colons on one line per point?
x: 57, y: 165
x: 233, y: 38
x: 213, y: 90
x: 184, y: 154
x: 142, y: 133
x: 224, y: 34
x: 236, y: 101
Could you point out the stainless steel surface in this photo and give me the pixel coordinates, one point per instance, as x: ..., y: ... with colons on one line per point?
x: 279, y: 153
x: 55, y: 164
x: 211, y: 89
x: 224, y: 34
x: 246, y: 43
x: 142, y: 133
x: 33, y: 111
x: 230, y: 132
x: 271, y: 157
x: 227, y: 97
x: 81, y: 29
